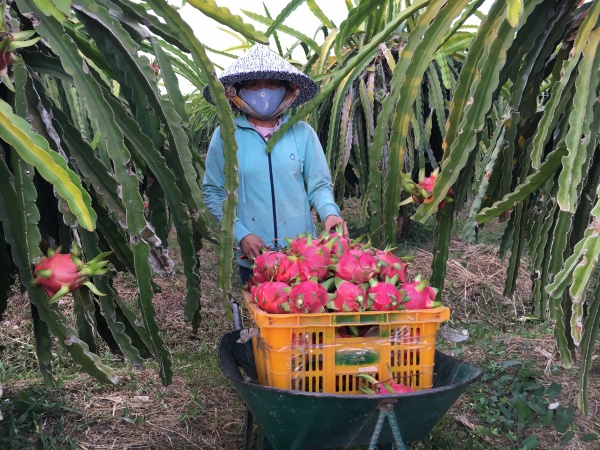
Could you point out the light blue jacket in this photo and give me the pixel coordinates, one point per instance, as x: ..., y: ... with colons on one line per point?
x: 276, y: 189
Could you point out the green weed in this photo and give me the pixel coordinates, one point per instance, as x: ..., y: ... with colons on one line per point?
x: 35, y: 418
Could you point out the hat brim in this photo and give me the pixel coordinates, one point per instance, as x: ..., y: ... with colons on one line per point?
x: 308, y: 88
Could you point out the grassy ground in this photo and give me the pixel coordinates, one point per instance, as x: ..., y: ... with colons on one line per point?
x: 508, y: 409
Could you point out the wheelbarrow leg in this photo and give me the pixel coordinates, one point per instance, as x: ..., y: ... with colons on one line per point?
x: 248, y: 430
x: 263, y: 442
x: 387, y: 410
x: 249, y: 418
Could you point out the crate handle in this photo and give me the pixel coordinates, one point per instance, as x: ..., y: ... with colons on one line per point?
x: 354, y: 331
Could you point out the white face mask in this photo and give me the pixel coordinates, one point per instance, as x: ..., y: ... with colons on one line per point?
x: 263, y: 101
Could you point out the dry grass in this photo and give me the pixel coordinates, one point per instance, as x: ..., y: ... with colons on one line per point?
x: 200, y: 409
x: 196, y: 411
x: 474, y: 279
x: 473, y: 290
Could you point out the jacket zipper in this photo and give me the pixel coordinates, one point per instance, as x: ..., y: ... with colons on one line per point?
x: 273, y: 206
x: 273, y: 201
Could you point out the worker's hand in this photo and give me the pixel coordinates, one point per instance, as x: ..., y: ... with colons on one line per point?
x: 331, y: 222
x: 251, y: 246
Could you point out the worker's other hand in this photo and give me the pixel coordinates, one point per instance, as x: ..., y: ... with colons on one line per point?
x: 251, y: 246
x: 331, y: 222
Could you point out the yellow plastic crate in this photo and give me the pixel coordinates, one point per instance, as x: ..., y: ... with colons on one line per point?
x: 308, y: 352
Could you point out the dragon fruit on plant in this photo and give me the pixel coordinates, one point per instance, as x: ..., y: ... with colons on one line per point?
x: 418, y: 295
x: 422, y: 191
x: 61, y: 273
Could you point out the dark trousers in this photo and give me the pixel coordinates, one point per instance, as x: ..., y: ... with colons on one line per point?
x: 245, y: 274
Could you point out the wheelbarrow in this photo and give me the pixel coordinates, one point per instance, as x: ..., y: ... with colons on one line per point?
x: 294, y: 420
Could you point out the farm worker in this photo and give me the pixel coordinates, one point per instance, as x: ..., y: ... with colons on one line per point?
x: 277, y: 189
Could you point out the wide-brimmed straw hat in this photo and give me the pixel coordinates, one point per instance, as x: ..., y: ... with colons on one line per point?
x: 260, y: 63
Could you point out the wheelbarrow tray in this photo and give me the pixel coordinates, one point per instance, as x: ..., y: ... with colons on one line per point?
x: 305, y: 420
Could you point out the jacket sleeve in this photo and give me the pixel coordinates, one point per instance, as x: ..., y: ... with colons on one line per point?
x: 213, y: 184
x: 317, y: 176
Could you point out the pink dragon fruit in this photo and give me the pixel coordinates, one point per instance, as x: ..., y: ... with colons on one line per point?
x: 391, y: 265
x: 364, y: 246
x: 315, y: 262
x: 418, y: 295
x: 356, y: 266
x: 270, y: 296
x: 61, y: 273
x: 265, y: 266
x: 424, y: 188
x: 298, y: 244
x: 384, y: 388
x: 306, y: 297
x: 384, y: 294
x: 289, y: 270
x: 336, y: 241
x: 391, y: 387
x: 349, y: 297
x: 257, y: 277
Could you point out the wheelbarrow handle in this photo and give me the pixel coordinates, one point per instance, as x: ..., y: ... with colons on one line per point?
x: 237, y: 318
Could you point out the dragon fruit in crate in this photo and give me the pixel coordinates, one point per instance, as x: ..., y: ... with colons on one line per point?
x: 418, y: 295
x: 391, y: 265
x: 384, y: 294
x: 306, y: 297
x: 356, y: 265
x: 270, y: 296
x: 333, y: 273
x: 265, y: 266
x: 349, y: 297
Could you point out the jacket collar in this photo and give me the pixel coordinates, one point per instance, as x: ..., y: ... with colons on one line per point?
x: 242, y: 122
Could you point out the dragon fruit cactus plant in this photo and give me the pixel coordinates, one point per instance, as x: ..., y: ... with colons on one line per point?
x: 61, y: 273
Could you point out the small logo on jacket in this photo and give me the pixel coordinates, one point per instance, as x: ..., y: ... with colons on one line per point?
x: 292, y: 156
